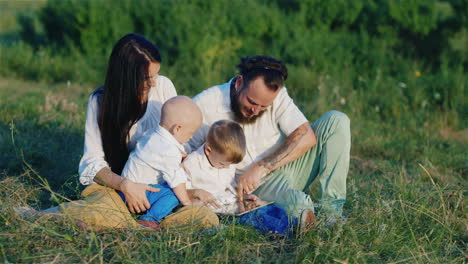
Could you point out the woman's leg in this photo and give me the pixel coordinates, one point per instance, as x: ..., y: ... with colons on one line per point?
x: 101, y: 207
x: 191, y: 218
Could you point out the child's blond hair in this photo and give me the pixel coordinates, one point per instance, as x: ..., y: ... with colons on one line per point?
x: 227, y: 138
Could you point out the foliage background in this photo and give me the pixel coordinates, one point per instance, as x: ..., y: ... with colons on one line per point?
x: 201, y: 41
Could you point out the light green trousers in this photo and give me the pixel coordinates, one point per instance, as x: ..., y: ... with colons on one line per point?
x: 328, y: 162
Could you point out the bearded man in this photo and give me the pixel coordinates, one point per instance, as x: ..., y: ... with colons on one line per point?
x: 285, y: 153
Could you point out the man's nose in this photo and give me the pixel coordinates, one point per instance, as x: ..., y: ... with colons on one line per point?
x: 255, y: 110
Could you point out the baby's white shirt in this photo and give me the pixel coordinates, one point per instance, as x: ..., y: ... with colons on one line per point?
x: 221, y: 183
x: 156, y: 159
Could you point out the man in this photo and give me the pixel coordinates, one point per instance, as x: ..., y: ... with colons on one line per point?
x: 284, y: 152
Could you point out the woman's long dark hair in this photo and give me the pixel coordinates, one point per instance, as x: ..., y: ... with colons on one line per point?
x: 121, y: 105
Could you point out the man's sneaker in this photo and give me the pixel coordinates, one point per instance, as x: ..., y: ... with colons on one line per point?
x: 153, y: 225
x: 307, y: 221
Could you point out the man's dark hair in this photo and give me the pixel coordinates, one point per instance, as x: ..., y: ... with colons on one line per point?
x: 273, y: 71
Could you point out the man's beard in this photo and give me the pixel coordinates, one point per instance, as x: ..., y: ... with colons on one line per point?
x: 235, y: 108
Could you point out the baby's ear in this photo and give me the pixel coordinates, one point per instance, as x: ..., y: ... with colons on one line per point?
x: 176, y: 128
x: 208, y: 149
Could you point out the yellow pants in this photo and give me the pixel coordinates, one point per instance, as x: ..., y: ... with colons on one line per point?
x: 102, y: 208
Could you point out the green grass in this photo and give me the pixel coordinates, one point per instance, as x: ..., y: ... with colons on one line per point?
x: 406, y: 190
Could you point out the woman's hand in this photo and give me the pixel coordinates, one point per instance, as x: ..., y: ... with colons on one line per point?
x: 135, y: 195
x: 204, y: 196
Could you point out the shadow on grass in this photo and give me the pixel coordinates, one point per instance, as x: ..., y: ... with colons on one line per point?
x: 50, y: 150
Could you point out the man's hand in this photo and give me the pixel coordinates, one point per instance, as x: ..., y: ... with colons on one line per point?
x: 250, y: 201
x: 206, y: 197
x: 135, y: 195
x: 248, y: 182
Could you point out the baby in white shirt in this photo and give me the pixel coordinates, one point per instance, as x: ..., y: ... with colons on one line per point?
x: 156, y: 159
x: 210, y: 167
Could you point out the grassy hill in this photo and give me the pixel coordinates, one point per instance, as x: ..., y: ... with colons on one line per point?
x: 407, y: 180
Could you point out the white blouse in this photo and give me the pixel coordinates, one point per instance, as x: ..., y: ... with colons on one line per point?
x: 93, y: 154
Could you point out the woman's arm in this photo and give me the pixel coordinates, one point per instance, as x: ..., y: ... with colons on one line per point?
x: 93, y: 159
x: 94, y: 168
x: 135, y: 193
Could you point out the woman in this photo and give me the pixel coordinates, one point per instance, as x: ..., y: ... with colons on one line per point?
x: 118, y: 114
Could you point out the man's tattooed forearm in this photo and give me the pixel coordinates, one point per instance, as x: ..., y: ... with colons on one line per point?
x: 284, y: 150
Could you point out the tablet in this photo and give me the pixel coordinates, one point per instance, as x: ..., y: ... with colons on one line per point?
x: 260, y: 204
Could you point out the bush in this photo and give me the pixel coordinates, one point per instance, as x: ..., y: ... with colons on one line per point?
x: 365, y: 48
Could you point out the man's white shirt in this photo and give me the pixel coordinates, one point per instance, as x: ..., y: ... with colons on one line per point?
x: 280, y: 119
